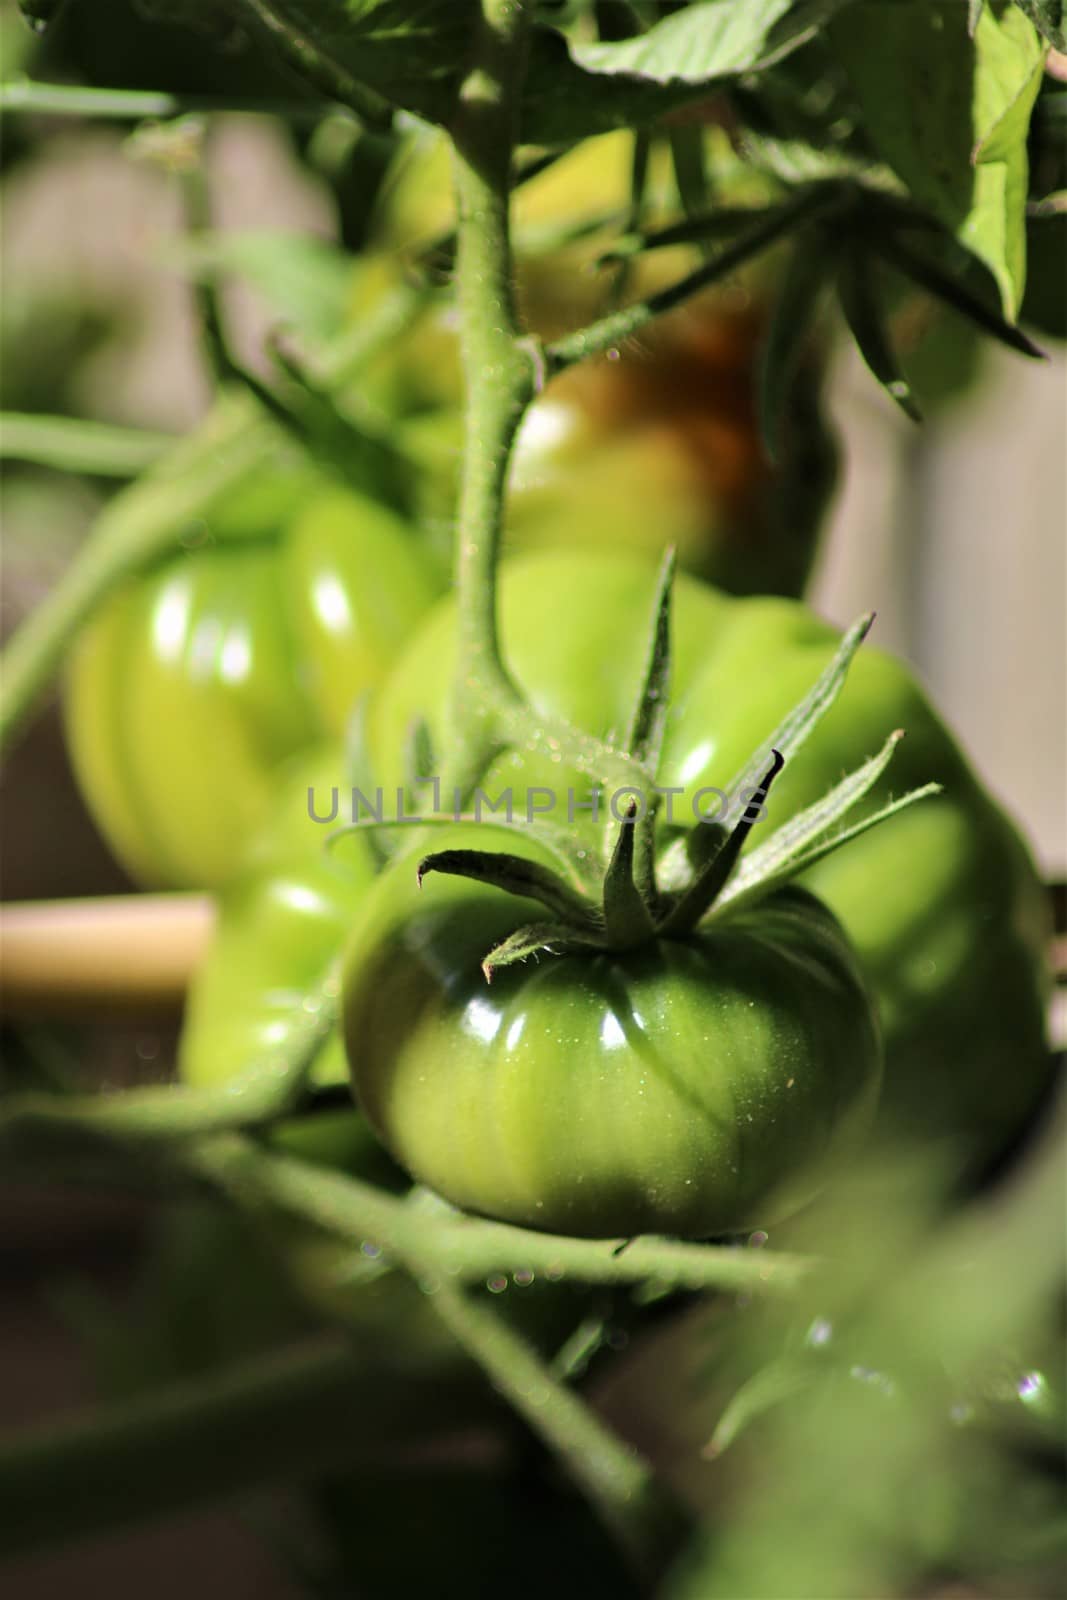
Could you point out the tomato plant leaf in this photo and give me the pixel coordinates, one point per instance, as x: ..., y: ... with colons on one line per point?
x: 1049, y: 18
x: 551, y: 938
x: 718, y: 226
x: 626, y: 915
x: 946, y: 286
x: 825, y: 846
x: 775, y: 859
x: 514, y: 875
x: 795, y: 310
x: 950, y: 114
x: 777, y: 1381
x: 810, y: 835
x: 696, y: 901
x: 408, y: 51
x: 710, y: 39
x: 804, y: 718
x: 645, y: 734
x: 866, y: 318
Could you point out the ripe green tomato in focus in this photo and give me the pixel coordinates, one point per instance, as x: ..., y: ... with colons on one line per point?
x: 692, y: 1087
x: 193, y: 683
x: 942, y: 902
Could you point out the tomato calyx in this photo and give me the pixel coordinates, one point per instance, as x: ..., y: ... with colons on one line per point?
x: 640, y: 897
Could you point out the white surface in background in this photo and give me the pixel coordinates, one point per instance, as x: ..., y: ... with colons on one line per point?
x: 957, y: 535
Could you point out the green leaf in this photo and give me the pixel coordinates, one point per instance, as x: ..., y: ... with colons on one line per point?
x: 710, y: 39
x: 549, y: 938
x: 1049, y: 18
x: 775, y: 860
x: 644, y: 737
x: 408, y: 51
x: 715, y: 227
x: 412, y: 53
x: 953, y: 290
x: 789, y: 334
x: 950, y: 114
x: 740, y: 893
x: 867, y: 322
x: 777, y: 1381
x: 626, y: 916
x: 697, y: 900
x: 514, y: 875
x: 804, y: 718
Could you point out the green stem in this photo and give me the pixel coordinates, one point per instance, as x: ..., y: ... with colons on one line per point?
x: 75, y: 100
x: 71, y: 445
x: 223, y: 367
x: 469, y: 1250
x: 139, y: 524
x: 616, y: 1481
x: 501, y: 371
x: 275, y: 1421
x: 499, y: 377
x: 618, y: 1484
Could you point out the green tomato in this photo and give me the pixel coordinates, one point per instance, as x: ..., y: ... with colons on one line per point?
x: 694, y: 1087
x: 942, y: 902
x: 657, y: 443
x: 193, y: 683
x: 280, y: 925
x: 660, y: 447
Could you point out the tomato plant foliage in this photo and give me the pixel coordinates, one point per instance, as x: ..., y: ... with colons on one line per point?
x: 585, y: 1025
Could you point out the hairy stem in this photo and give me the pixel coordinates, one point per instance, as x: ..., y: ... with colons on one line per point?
x: 618, y: 1484
x: 498, y: 374
x: 469, y: 1250
x: 616, y: 1481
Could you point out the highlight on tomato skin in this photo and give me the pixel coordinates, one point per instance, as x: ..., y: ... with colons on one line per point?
x: 193, y: 685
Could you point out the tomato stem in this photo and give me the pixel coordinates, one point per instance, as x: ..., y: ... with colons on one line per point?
x: 643, y: 1518
x: 499, y: 377
x: 502, y: 370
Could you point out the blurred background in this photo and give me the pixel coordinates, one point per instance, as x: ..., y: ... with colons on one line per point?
x: 954, y: 533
